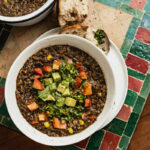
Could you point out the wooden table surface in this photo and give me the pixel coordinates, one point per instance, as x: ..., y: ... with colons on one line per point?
x: 11, y: 140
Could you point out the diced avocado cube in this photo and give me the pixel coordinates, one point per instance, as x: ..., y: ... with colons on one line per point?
x: 70, y: 101
x: 52, y: 86
x: 66, y: 83
x: 49, y: 98
x: 66, y: 92
x: 61, y: 88
x: 56, y: 76
x: 60, y: 101
x: 48, y: 81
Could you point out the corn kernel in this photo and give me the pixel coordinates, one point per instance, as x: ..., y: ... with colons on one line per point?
x: 70, y: 130
x: 81, y: 122
x: 47, y: 112
x: 5, y: 1
x: 46, y: 124
x: 49, y: 57
x: 99, y: 94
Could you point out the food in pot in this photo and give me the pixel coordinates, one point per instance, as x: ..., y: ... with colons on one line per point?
x: 14, y: 8
x: 61, y: 90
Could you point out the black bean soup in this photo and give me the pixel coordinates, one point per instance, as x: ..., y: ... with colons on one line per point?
x: 14, y: 8
x: 61, y: 90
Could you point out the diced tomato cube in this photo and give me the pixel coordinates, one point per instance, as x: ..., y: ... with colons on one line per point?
x: 56, y: 123
x: 63, y: 124
x: 38, y: 71
x: 87, y: 102
x: 91, y: 118
x: 82, y: 74
x: 32, y: 106
x: 35, y: 122
x: 78, y: 82
x: 59, y: 124
x: 47, y: 68
x: 70, y: 61
x: 56, y: 64
x: 42, y: 117
x: 78, y: 65
x: 37, y: 85
x: 36, y: 76
x: 87, y: 89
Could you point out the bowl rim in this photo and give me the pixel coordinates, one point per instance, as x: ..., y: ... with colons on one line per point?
x: 29, y: 16
x: 53, y: 141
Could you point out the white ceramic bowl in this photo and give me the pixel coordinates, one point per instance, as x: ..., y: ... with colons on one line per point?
x: 31, y: 18
x: 10, y: 88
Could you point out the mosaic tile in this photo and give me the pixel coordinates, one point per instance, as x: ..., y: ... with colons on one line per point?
x: 70, y: 147
x: 133, y: 28
x: 131, y: 11
x: 124, y: 113
x: 146, y: 21
x: 130, y: 98
x: 2, y: 82
x: 136, y: 74
x: 147, y: 6
x: 140, y: 49
x: 110, y: 141
x: 134, y: 84
x: 139, y: 105
x: 126, y: 46
x: 3, y: 38
x: 138, y: 4
x: 3, y: 110
x: 137, y: 63
x: 1, y: 95
x: 146, y: 87
x: 82, y: 144
x: 131, y: 124
x: 95, y: 140
x: 124, y: 142
x: 124, y: 56
x: 149, y: 70
x: 7, y: 122
x: 114, y: 3
x: 116, y: 126
x: 125, y: 1
x: 143, y: 35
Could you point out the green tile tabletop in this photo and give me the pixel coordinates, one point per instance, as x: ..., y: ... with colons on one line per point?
x: 136, y: 52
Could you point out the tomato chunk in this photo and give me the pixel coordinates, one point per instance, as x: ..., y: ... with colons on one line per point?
x: 78, y: 82
x: 87, y: 102
x: 59, y: 124
x: 91, y: 118
x: 42, y: 117
x: 47, y: 68
x: 37, y: 77
x: 35, y: 122
x: 56, y: 64
x: 32, y: 106
x: 78, y: 65
x: 63, y: 124
x: 87, y: 89
x: 56, y: 123
x: 82, y: 74
x: 38, y: 71
x: 37, y: 85
x: 69, y: 61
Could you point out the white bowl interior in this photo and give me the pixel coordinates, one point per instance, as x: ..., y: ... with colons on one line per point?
x: 10, y: 88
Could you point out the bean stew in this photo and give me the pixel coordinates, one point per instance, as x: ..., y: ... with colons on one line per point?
x: 14, y: 8
x: 61, y: 90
